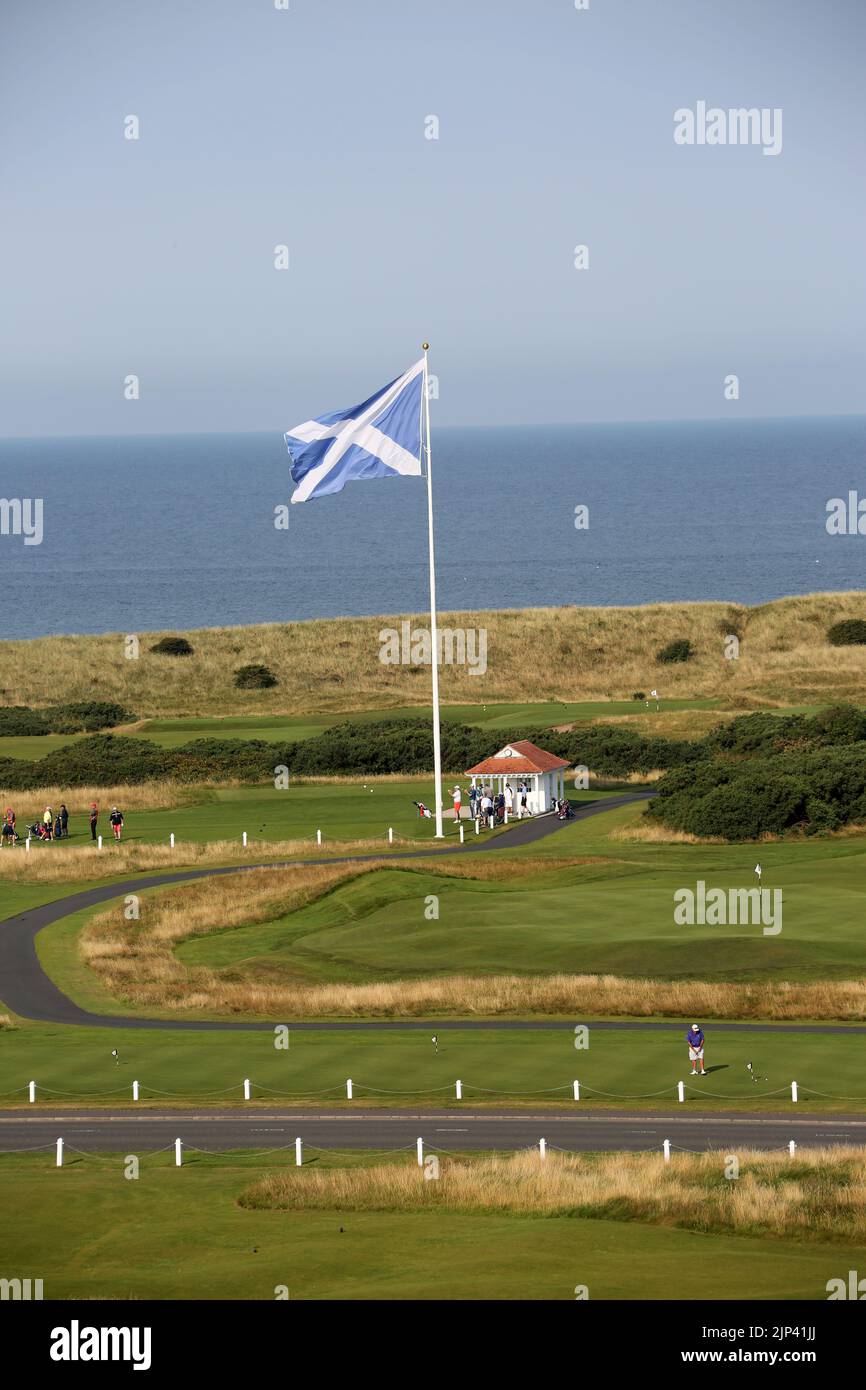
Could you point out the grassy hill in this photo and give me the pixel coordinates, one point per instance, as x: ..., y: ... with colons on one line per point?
x: 545, y: 654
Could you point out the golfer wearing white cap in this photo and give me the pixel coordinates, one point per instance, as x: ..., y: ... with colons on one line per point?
x: 695, y: 1040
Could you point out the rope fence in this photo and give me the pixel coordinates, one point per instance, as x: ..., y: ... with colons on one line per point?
x: 424, y: 1152
x: 249, y: 1090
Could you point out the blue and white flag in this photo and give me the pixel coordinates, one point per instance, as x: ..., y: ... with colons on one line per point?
x: 377, y: 439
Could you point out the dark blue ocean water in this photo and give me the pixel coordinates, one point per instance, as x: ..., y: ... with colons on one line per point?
x: 177, y: 531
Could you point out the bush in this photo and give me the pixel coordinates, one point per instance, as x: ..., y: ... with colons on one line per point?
x: 639, y: 695
x: 254, y: 678
x: 812, y: 791
x: 172, y: 646
x: 21, y: 722
x: 678, y: 650
x: 84, y: 717
x: 851, y: 632
x: 87, y: 716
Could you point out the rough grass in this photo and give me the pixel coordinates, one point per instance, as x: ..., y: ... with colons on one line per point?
x: 590, y: 653
x: 820, y: 1195
x: 136, y: 962
x: 59, y: 863
x: 145, y: 796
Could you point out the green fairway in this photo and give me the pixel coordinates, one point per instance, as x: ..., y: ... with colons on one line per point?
x: 400, y: 1066
x: 278, y: 728
x: 87, y: 1232
x: 615, y: 916
x: 342, y: 811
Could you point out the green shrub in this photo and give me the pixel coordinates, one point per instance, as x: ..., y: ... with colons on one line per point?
x: 84, y: 717
x: 172, y: 646
x: 678, y: 650
x: 254, y: 678
x: 21, y: 722
x: 851, y: 632
x: 821, y: 789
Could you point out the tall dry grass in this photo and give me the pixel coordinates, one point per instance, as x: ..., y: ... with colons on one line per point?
x: 819, y: 1196
x: 146, y: 796
x: 60, y: 863
x: 589, y: 653
x: 136, y: 962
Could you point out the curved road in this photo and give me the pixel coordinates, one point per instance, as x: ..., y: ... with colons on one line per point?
x: 30, y: 993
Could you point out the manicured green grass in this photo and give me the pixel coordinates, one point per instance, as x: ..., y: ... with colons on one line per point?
x: 346, y: 811
x: 278, y: 728
x: 400, y: 1067
x: 180, y: 1234
x: 611, y: 916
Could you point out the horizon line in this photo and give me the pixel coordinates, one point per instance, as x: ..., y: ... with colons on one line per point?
x: 528, y: 424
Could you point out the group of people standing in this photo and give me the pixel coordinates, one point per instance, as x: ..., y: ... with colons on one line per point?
x: 51, y: 826
x: 48, y: 827
x: 490, y: 808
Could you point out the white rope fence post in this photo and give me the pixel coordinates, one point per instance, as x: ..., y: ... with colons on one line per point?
x: 246, y: 1088
x: 477, y: 826
x: 171, y: 840
x: 792, y: 1148
x: 244, y: 839
x: 32, y: 1091
x: 27, y: 844
x: 577, y: 1090
x: 135, y: 1090
x: 299, y: 1153
x: 794, y: 1092
x: 458, y: 1090
x: 99, y: 842
x: 542, y: 1148
x: 420, y: 1147
x: 666, y: 1146
x: 178, y: 1146
x: 348, y: 1088
x: 390, y: 834
x: 461, y: 833
x: 59, y: 1153
x: 681, y: 1091
x: 318, y: 837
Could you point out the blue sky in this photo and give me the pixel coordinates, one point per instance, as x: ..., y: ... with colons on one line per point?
x: 306, y: 127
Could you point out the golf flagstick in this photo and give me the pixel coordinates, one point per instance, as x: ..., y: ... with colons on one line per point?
x: 434, y: 635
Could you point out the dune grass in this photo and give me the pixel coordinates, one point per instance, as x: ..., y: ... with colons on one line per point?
x: 590, y: 653
x: 820, y: 1196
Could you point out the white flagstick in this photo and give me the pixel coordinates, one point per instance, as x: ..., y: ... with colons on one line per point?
x: 434, y: 636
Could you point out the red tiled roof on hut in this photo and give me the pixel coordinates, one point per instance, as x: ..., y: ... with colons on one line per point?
x: 521, y: 756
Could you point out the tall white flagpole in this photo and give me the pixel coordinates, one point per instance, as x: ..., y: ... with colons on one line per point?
x: 434, y: 635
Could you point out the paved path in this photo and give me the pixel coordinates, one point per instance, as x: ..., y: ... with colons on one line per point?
x: 131, y: 1131
x: 29, y: 992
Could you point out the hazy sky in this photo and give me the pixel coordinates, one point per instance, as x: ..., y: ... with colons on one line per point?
x: 306, y: 127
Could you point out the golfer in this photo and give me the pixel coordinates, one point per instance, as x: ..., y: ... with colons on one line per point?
x: 116, y: 819
x: 458, y: 797
x: 695, y: 1040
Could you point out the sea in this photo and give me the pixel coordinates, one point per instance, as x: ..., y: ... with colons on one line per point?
x: 180, y: 531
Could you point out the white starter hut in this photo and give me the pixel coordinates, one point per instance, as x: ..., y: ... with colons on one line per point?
x: 542, y: 772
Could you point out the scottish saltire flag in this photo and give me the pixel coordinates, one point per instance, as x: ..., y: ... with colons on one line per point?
x: 377, y: 439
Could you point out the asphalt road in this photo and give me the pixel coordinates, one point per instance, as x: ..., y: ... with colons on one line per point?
x: 29, y: 992
x: 129, y: 1131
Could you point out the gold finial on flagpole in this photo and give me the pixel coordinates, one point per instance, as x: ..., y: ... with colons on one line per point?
x: 425, y: 346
